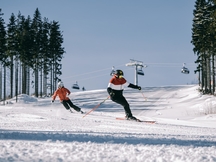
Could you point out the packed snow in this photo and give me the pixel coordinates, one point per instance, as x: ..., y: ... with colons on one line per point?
x: 34, y: 129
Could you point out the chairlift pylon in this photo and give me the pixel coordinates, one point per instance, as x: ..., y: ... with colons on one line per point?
x: 75, y: 86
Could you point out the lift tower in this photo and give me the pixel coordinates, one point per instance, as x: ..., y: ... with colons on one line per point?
x: 138, y: 68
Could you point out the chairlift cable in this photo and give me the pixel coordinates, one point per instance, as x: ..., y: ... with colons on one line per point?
x: 91, y: 72
x: 170, y: 64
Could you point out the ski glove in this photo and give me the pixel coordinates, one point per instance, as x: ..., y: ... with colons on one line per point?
x: 112, y: 94
x: 110, y: 91
x: 139, y: 88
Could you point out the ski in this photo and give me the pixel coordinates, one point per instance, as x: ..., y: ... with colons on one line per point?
x: 138, y: 120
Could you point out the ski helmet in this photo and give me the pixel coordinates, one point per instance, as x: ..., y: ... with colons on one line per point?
x: 119, y: 73
x: 60, y: 84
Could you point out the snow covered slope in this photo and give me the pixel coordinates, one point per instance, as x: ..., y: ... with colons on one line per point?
x: 36, y: 130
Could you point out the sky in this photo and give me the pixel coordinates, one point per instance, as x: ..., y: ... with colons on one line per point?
x: 36, y: 130
x: 100, y: 34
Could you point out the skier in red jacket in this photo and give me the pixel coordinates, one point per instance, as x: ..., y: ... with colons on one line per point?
x: 115, y: 90
x: 62, y: 93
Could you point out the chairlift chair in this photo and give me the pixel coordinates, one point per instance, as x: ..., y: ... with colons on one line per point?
x: 139, y: 70
x: 75, y: 86
x: 185, y: 70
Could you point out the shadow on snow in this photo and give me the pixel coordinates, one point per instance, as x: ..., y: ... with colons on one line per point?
x: 98, y: 137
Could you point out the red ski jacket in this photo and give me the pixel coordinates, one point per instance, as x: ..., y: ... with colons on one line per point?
x: 118, y: 83
x: 61, y: 93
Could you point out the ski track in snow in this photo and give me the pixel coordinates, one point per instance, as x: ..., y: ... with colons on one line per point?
x: 41, y: 131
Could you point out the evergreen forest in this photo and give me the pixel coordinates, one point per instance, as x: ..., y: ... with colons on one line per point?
x: 204, y: 43
x: 30, y: 55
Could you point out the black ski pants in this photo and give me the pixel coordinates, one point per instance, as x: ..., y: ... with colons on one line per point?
x: 122, y: 101
x: 67, y: 104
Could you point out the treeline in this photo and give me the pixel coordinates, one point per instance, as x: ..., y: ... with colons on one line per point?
x: 204, y: 41
x: 30, y: 55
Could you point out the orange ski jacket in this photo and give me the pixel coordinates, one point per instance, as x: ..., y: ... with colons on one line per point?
x: 61, y: 93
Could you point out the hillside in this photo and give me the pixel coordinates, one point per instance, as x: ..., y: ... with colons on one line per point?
x: 36, y: 130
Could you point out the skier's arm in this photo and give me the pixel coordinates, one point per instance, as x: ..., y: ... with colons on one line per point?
x: 54, y: 96
x: 68, y: 91
x: 110, y: 91
x: 134, y: 86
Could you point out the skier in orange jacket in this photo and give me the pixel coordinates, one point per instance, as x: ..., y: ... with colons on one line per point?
x: 62, y: 93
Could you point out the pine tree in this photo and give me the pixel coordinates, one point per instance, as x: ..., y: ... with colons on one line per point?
x: 212, y: 8
x: 56, y: 51
x: 25, y: 50
x: 45, y: 57
x: 3, y: 56
x: 12, y: 45
x: 37, y: 31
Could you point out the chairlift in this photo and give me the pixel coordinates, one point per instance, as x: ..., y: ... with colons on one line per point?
x: 113, y: 71
x: 139, y: 70
x: 185, y: 70
x: 75, y: 86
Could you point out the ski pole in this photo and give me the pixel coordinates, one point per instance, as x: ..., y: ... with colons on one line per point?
x: 96, y: 106
x: 143, y: 95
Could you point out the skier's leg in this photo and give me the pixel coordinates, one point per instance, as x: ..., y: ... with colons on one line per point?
x: 73, y: 106
x: 122, y: 101
x: 64, y: 103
